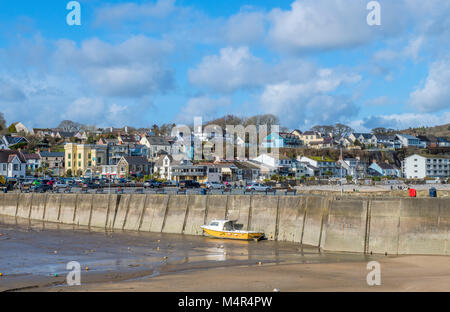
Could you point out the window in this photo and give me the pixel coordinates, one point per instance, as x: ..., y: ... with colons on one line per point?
x: 89, y: 156
x: 69, y: 155
x: 68, y: 164
x: 90, y: 164
x: 79, y: 155
x: 79, y: 164
x: 16, y: 167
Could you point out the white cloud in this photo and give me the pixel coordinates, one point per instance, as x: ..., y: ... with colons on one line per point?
x: 133, y: 68
x: 435, y: 94
x: 203, y: 106
x: 112, y: 14
x: 245, y: 27
x: 402, y: 121
x: 309, y: 103
x: 233, y: 69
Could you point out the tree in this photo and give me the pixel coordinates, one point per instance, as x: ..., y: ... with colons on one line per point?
x: 342, y: 130
x: 69, y: 173
x: 70, y: 126
x: 2, y: 122
x: 12, y: 128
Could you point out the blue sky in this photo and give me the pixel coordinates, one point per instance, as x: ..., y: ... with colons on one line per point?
x: 309, y: 62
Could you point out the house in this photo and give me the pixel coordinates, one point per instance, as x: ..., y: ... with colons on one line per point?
x: 309, y: 137
x: 155, y: 144
x: 363, y: 138
x: 163, y: 166
x: 407, y: 140
x: 12, y: 164
x: 186, y: 170
x: 443, y: 142
x: 20, y: 128
x: 385, y: 169
x: 327, y: 166
x: 327, y: 142
x: 126, y: 138
x: 10, y: 141
x: 282, y: 140
x: 354, y: 167
x: 53, y: 161
x: 386, y: 141
x: 82, y: 159
x: 42, y: 132
x: 247, y: 171
x: 33, y: 162
x: 422, y: 166
x: 134, y: 166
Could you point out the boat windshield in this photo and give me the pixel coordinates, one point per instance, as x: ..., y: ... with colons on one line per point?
x: 229, y: 226
x: 214, y: 224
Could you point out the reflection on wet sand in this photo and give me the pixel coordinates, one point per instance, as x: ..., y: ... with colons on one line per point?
x: 34, y: 252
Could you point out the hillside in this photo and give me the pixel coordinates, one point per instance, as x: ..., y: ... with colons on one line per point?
x: 437, y: 131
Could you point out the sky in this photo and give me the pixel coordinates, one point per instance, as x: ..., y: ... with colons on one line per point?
x: 310, y: 62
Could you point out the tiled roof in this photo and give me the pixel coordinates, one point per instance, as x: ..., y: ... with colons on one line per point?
x: 52, y: 154
x: 6, y: 156
x: 136, y: 160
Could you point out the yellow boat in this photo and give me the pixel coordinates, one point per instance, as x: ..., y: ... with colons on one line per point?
x: 227, y: 229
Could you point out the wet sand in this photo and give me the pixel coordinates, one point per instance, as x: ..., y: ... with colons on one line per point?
x: 31, y: 253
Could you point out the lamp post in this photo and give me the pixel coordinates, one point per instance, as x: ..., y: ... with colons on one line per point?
x: 342, y: 186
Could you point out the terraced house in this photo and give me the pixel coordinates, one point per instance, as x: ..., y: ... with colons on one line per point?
x: 84, y: 159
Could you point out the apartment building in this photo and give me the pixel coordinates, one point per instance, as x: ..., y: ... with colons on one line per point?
x: 426, y: 166
x: 84, y: 159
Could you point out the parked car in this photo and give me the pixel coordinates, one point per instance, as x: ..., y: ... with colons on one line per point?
x: 258, y: 187
x: 153, y: 184
x: 214, y: 186
x: 42, y: 188
x: 91, y: 185
x: 189, y: 184
x: 60, y: 184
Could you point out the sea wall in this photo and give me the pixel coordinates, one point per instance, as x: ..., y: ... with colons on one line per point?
x: 365, y: 225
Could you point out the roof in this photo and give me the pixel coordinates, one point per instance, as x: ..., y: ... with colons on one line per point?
x: 157, y: 140
x: 136, y: 160
x: 7, y: 156
x: 433, y: 156
x: 385, y: 166
x: 52, y: 154
x: 31, y: 156
x: 160, y: 161
x: 12, y: 140
x: 245, y: 165
x: 309, y: 133
x: 408, y: 136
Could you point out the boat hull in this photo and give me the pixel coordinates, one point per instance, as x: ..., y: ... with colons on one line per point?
x: 233, y: 235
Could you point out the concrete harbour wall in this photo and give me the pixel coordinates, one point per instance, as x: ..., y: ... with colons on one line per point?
x: 365, y: 225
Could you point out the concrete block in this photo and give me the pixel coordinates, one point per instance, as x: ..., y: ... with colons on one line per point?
x: 384, y: 226
x: 263, y: 215
x: 84, y: 209
x: 38, y: 206
x: 68, y: 208
x: 154, y: 213
x: 291, y: 216
x: 195, y: 215
x: 52, y: 207
x: 135, y: 212
x: 176, y: 214
x: 345, y: 228
x: 24, y: 207
x: 238, y: 209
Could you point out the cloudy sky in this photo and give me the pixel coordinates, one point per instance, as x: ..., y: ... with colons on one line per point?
x: 307, y: 61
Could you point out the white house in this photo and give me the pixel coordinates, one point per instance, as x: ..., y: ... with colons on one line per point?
x: 421, y: 166
x: 409, y: 140
x: 163, y: 166
x: 324, y: 164
x: 12, y: 164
